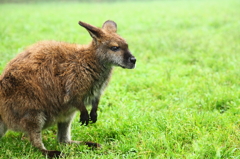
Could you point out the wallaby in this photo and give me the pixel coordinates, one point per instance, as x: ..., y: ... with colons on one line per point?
x: 49, y: 81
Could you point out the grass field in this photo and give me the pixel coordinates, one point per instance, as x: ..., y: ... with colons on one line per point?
x: 181, y: 101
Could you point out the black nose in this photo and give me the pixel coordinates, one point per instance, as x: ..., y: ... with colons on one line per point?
x: 132, y: 60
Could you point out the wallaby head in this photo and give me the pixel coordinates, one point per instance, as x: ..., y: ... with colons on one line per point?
x: 111, y: 49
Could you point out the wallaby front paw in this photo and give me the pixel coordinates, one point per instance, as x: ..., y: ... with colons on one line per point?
x: 84, y: 118
x: 93, y: 116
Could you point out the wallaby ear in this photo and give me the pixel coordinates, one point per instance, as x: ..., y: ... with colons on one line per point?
x: 110, y: 26
x: 95, y: 32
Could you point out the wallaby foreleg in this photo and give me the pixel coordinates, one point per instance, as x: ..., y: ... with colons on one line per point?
x: 93, y: 113
x: 84, y: 116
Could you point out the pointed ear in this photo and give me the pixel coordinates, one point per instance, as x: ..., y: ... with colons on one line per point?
x: 110, y: 26
x: 95, y: 32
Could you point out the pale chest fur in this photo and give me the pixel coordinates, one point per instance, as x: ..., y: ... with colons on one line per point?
x: 98, y: 87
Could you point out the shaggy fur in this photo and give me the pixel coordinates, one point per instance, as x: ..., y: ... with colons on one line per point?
x: 48, y: 82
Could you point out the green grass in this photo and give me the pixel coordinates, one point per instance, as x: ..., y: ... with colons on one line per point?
x: 181, y: 101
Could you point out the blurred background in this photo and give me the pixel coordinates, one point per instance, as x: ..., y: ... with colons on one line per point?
x: 33, y: 1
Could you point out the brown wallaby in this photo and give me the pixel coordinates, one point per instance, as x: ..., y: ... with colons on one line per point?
x: 49, y: 81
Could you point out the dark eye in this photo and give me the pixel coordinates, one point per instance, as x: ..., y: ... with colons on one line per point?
x: 114, y: 48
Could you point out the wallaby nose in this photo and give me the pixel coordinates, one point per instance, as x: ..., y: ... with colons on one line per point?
x: 133, y: 60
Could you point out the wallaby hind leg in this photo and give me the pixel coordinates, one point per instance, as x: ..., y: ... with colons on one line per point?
x: 33, y: 122
x: 64, y: 131
x: 64, y: 135
x: 3, y: 127
x: 36, y: 140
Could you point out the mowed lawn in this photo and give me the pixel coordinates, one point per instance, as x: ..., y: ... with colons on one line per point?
x: 181, y: 101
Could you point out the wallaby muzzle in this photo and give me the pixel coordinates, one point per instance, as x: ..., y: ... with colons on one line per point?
x: 130, y: 60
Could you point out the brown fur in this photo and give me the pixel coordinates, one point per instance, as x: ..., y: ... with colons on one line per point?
x: 48, y: 82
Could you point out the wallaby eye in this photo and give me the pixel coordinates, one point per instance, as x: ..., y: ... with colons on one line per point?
x: 114, y: 48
